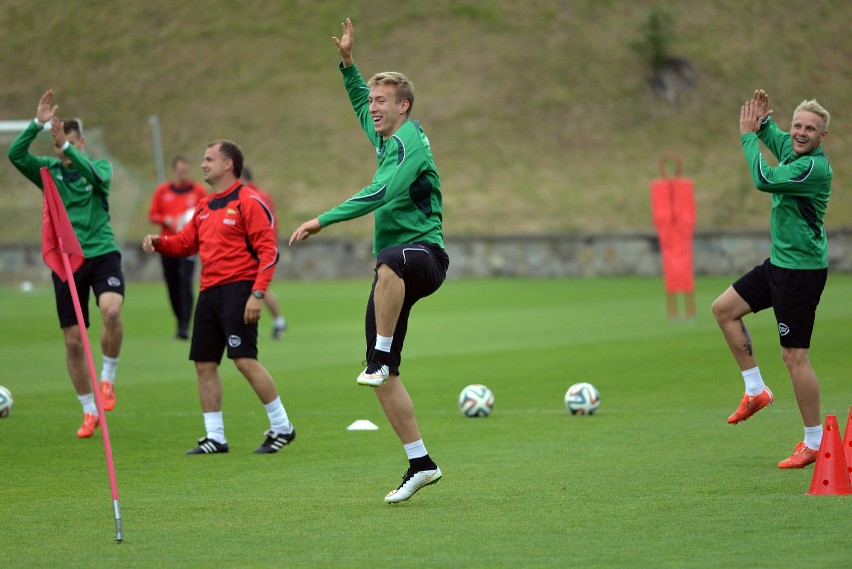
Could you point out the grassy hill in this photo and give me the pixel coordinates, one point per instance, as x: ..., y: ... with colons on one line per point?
x: 540, y: 113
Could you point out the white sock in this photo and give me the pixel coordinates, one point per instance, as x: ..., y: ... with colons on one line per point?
x: 383, y: 343
x: 108, y: 369
x: 280, y: 322
x: 215, y: 425
x: 88, y: 403
x: 753, y: 381
x: 278, y: 420
x: 813, y: 437
x: 415, y: 449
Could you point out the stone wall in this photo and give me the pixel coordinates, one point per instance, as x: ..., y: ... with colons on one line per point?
x: 714, y: 253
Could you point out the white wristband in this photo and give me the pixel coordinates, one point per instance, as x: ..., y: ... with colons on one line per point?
x: 65, y: 146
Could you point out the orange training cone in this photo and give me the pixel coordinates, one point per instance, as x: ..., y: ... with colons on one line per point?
x: 847, y: 444
x: 831, y: 475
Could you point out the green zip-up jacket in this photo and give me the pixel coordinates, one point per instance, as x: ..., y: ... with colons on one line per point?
x: 83, y: 188
x: 405, y: 194
x: 800, y: 188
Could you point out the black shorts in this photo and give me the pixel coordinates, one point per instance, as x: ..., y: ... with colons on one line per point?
x: 423, y: 268
x: 793, y: 295
x: 219, y: 322
x: 100, y: 274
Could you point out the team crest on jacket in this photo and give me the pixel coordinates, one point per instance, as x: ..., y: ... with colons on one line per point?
x: 234, y: 341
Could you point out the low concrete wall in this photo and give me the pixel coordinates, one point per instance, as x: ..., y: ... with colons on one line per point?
x: 714, y: 253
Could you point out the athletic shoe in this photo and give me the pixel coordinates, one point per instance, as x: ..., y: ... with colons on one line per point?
x: 107, y: 395
x: 208, y: 446
x: 751, y: 405
x: 278, y: 331
x: 90, y: 423
x: 411, y: 483
x: 801, y: 457
x: 373, y: 375
x: 275, y: 442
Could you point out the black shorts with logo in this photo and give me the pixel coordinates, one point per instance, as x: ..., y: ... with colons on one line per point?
x: 792, y: 294
x: 423, y: 268
x: 219, y: 323
x: 100, y: 274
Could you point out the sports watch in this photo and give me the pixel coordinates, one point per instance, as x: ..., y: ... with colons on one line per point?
x: 257, y: 293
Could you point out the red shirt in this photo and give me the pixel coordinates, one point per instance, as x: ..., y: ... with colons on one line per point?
x: 266, y: 198
x: 232, y: 232
x: 171, y: 204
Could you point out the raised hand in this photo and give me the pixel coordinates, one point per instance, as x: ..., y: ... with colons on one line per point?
x: 749, y: 121
x: 344, y: 44
x: 57, y: 130
x: 761, y: 100
x: 46, y: 109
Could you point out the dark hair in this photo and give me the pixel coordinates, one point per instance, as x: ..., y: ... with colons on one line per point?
x: 179, y: 158
x: 247, y: 177
x: 73, y: 125
x: 231, y: 152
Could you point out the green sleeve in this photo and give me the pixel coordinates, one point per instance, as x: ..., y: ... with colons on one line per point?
x: 19, y: 154
x: 776, y: 140
x: 359, y: 97
x: 99, y: 172
x: 374, y: 196
x: 802, y: 176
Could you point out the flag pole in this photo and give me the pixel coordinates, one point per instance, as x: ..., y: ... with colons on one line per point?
x: 54, y: 204
x: 119, y: 534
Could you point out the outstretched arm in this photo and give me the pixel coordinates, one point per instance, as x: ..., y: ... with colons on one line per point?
x: 344, y: 44
x: 305, y: 230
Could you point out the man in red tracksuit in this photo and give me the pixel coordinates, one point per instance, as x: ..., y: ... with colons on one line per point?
x: 172, y: 204
x: 233, y: 233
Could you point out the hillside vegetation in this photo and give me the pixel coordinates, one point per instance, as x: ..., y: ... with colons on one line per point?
x: 539, y: 113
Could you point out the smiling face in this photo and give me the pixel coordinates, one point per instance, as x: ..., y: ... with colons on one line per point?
x: 387, y: 111
x: 807, y: 132
x: 214, y: 165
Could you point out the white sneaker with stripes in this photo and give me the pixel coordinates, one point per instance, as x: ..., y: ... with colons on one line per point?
x: 411, y: 483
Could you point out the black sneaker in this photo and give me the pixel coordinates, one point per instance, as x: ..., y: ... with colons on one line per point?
x: 275, y: 441
x: 208, y: 446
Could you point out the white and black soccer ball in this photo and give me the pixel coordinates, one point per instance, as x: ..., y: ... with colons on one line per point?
x: 476, y: 401
x: 5, y: 402
x: 582, y: 399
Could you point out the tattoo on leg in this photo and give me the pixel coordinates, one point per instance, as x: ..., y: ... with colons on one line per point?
x: 747, y: 344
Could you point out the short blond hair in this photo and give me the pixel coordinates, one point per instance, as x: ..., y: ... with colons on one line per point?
x: 404, y: 86
x: 812, y: 106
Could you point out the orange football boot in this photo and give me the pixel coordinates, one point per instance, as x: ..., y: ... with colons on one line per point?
x: 751, y: 405
x: 90, y: 423
x: 107, y: 395
x: 801, y: 457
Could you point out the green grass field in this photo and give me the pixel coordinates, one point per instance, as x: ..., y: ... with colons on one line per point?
x: 656, y: 479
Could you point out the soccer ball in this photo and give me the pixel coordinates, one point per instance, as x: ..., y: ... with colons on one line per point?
x: 582, y: 399
x: 5, y: 402
x: 476, y: 401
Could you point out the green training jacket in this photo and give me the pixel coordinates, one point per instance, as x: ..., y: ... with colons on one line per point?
x: 800, y: 188
x: 83, y: 187
x: 405, y: 194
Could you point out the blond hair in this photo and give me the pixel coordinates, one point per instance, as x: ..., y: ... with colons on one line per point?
x: 812, y: 106
x: 404, y: 86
